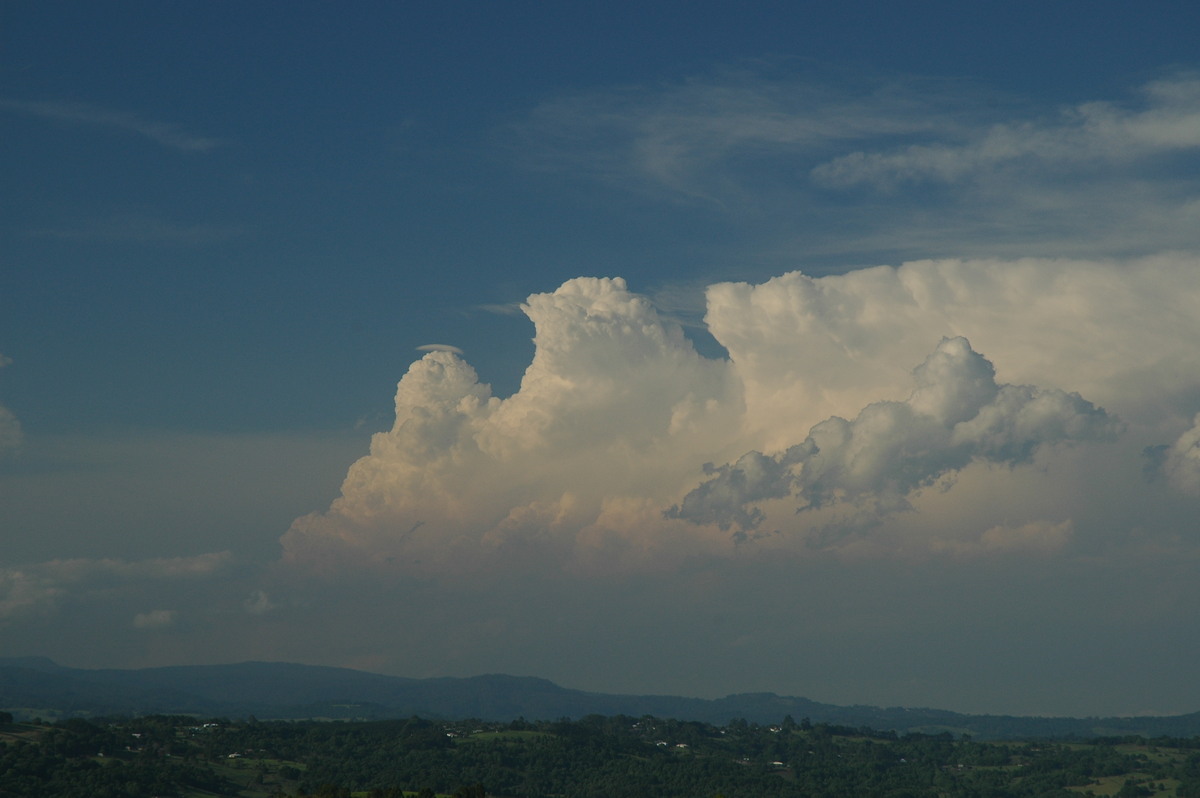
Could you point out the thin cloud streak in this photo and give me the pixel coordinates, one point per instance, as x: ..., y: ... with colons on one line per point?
x: 1093, y: 134
x: 691, y: 138
x: 88, y: 115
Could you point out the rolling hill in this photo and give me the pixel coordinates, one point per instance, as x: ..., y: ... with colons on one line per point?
x: 34, y: 686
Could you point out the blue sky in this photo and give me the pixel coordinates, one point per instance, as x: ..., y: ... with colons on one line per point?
x: 228, y: 230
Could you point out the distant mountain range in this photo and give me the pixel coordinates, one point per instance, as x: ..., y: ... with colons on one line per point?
x: 36, y: 686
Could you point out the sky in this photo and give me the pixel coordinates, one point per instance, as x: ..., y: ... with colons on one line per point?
x: 848, y: 351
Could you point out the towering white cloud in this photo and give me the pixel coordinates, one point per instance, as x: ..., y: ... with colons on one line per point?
x: 614, y: 400
x: 808, y: 348
x: 599, y: 460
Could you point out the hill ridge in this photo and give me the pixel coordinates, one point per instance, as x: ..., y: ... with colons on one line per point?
x: 288, y: 690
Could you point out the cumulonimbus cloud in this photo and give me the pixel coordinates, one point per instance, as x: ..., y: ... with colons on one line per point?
x: 617, y: 414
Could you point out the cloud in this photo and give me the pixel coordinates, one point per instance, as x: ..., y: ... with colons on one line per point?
x: 39, y: 588
x: 259, y: 603
x: 957, y: 414
x: 10, y: 430
x: 86, y: 114
x: 617, y: 414
x: 24, y: 591
x: 1089, y: 133
x: 440, y: 348
x: 754, y: 477
x: 1035, y: 536
x: 530, y: 533
x: 810, y: 162
x: 10, y: 427
x: 683, y: 138
x: 155, y: 619
x: 1179, y: 462
x: 610, y: 382
x: 809, y: 348
x: 128, y: 496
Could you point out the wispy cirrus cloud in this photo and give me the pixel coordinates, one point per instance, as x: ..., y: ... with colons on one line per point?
x: 708, y: 137
x: 1089, y: 136
x: 815, y: 162
x: 86, y: 114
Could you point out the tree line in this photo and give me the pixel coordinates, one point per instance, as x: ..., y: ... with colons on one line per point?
x: 595, y: 757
